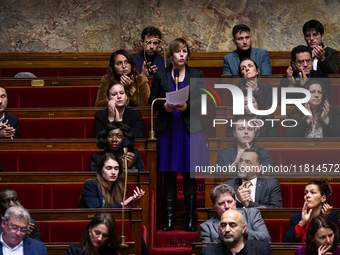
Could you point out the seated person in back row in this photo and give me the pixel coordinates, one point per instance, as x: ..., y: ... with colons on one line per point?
x: 242, y: 40
x: 118, y: 110
x: 325, y: 58
x: 110, y: 139
x: 9, y: 124
x: 151, y: 52
x: 8, y: 198
x: 223, y: 198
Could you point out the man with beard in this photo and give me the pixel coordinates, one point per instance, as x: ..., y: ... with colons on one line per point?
x: 151, y: 52
x: 231, y: 229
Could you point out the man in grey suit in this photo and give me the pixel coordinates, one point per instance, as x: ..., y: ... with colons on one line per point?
x: 254, y: 190
x: 242, y: 40
x: 223, y: 199
x: 231, y: 232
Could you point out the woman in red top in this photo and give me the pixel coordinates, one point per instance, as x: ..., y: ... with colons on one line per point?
x: 316, y: 203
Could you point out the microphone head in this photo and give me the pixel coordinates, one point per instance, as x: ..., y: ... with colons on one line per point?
x: 176, y: 72
x: 125, y: 142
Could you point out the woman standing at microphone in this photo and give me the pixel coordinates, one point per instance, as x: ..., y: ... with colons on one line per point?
x: 179, y: 134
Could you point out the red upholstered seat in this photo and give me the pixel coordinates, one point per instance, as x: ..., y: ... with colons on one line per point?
x: 32, y: 196
x: 72, y: 232
x: 277, y: 229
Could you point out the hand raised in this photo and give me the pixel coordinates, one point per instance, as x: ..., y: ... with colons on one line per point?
x: 325, y: 113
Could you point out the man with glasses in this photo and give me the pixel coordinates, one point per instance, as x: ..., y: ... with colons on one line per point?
x: 324, y: 58
x: 301, y: 71
x: 13, y: 239
x: 9, y: 198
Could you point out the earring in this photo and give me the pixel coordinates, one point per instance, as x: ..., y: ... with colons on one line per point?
x: 89, y: 233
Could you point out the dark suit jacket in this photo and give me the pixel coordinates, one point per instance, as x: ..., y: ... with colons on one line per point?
x: 158, y: 61
x: 252, y: 247
x: 96, y: 157
x: 289, y: 237
x: 31, y: 247
x: 161, y: 84
x: 261, y: 57
x: 330, y: 130
x: 132, y: 118
x: 331, y: 63
x: 268, y: 192
x: 92, y: 197
x: 37, y: 235
x: 314, y: 74
x: 257, y: 229
x: 228, y: 155
x: 13, y: 122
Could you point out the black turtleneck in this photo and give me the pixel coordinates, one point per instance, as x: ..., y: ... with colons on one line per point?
x: 243, y: 53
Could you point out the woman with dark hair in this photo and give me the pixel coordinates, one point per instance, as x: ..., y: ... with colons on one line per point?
x: 122, y: 69
x: 118, y: 110
x: 316, y: 203
x: 107, y: 190
x: 321, y: 238
x: 251, y: 78
x: 324, y: 120
x: 265, y: 128
x: 100, y: 237
x: 179, y: 132
x: 111, y: 140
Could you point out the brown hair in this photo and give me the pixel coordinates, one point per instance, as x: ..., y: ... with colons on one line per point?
x: 115, y: 194
x: 174, y: 45
x: 114, y: 77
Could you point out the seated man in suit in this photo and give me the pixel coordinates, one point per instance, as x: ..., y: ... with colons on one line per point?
x: 325, y: 58
x: 9, y: 124
x: 151, y: 52
x: 8, y: 198
x: 254, y: 190
x: 223, y: 198
x: 244, y: 132
x: 13, y: 239
x: 301, y: 71
x: 242, y: 40
x: 231, y: 230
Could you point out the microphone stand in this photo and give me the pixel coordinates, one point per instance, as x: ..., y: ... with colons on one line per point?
x: 122, y: 238
x: 146, y: 61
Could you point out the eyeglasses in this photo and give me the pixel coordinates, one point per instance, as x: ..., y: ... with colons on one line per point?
x: 14, y: 229
x: 120, y: 63
x: 6, y: 201
x: 301, y: 62
x: 308, y: 36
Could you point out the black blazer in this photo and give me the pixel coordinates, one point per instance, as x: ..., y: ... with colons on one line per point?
x: 330, y: 130
x: 162, y: 83
x: 13, y: 122
x: 289, y: 237
x: 251, y: 247
x: 132, y: 118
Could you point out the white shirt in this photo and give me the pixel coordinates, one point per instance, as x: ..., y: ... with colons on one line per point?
x: 315, y: 64
x: 17, y: 250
